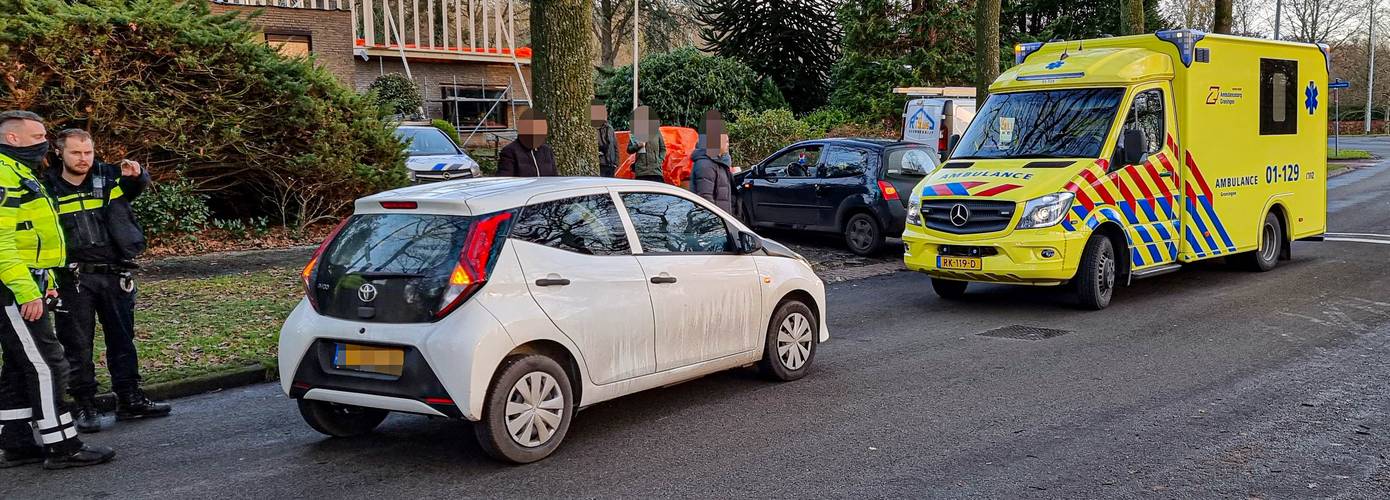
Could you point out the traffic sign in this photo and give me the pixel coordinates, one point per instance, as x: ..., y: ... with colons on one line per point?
x: 1339, y: 84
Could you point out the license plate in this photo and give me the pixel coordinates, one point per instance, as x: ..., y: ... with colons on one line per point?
x: 961, y: 263
x: 363, y: 358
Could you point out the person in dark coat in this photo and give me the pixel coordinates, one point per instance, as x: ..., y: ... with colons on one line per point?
x: 528, y: 155
x: 709, y: 172
x: 607, y: 139
x: 646, y: 142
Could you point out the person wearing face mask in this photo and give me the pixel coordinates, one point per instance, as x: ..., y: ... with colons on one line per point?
x: 34, y: 374
x: 528, y: 155
x: 102, y: 241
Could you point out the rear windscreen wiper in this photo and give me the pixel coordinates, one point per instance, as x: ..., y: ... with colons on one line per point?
x: 388, y: 274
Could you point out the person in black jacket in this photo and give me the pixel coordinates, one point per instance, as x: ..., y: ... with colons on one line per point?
x: 103, y: 239
x: 528, y: 155
x: 607, y: 139
x: 709, y: 172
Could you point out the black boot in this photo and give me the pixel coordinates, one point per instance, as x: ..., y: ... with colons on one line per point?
x: 87, y: 417
x: 84, y: 456
x: 135, y: 405
x: 21, y: 456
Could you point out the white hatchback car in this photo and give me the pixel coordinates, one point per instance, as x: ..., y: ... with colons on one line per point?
x: 512, y: 302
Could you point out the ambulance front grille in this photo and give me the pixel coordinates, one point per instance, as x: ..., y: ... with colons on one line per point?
x: 983, y: 216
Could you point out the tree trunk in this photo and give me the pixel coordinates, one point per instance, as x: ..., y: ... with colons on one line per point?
x: 1132, y: 17
x: 986, y: 44
x: 1221, y: 22
x: 564, y: 76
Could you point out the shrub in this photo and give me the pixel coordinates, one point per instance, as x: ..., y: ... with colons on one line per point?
x: 680, y: 86
x: 755, y: 136
x: 194, y: 96
x: 397, y: 94
x: 824, y: 119
x: 448, y: 129
x: 172, y: 207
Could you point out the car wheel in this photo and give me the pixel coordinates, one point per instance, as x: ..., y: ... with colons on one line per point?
x: 790, y: 348
x: 527, y: 411
x: 339, y: 420
x: 949, y: 289
x: 862, y: 234
x: 1266, y: 256
x: 1095, y: 281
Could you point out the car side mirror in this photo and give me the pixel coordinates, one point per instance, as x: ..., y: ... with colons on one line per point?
x: 1133, y: 147
x: 950, y: 146
x: 749, y: 242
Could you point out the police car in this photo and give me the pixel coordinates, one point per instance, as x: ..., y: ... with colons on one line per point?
x: 433, y: 156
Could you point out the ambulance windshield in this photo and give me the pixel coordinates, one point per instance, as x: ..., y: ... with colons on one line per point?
x: 1041, y: 124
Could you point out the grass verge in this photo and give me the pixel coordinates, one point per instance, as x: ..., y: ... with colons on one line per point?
x: 1349, y: 154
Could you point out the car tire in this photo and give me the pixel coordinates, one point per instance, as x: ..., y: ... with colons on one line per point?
x: 863, y: 235
x: 340, y: 420
x: 949, y: 289
x: 523, y: 397
x: 1097, y: 276
x: 1266, y: 256
x: 790, y: 347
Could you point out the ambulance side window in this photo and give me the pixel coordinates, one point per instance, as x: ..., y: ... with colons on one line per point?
x: 1278, y: 97
x: 1146, y: 116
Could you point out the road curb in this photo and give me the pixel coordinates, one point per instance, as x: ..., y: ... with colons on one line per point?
x: 225, y: 379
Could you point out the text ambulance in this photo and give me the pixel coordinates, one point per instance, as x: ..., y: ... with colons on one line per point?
x: 1098, y: 162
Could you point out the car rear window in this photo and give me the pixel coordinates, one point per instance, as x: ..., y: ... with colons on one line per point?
x: 406, y: 258
x: 922, y: 158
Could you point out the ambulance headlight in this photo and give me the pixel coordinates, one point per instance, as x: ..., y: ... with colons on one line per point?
x: 914, y: 210
x: 1046, y: 211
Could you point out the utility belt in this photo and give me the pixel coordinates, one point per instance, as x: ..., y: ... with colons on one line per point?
x: 123, y: 270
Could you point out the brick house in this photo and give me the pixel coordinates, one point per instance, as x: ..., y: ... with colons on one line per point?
x: 462, y: 53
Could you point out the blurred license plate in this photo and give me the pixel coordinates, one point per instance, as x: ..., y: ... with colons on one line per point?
x: 363, y: 358
x: 962, y: 263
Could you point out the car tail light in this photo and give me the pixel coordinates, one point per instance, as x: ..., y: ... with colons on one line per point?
x: 311, y: 269
x: 475, y: 261
x: 890, y: 193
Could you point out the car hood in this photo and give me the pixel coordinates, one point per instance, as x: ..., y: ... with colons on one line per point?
x: 440, y: 163
x: 1004, y: 180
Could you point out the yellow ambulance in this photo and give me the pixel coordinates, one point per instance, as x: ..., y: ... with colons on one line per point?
x: 1098, y: 162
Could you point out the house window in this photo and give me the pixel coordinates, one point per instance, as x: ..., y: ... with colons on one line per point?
x: 1278, y: 97
x: 289, y: 45
x: 468, y: 106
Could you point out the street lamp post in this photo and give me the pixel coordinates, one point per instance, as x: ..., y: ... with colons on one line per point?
x: 1371, y: 71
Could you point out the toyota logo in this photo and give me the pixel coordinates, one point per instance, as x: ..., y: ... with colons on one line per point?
x: 960, y: 215
x: 367, y: 293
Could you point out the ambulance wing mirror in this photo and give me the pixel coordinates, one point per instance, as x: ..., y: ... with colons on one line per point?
x: 1133, y: 148
x: 950, y: 146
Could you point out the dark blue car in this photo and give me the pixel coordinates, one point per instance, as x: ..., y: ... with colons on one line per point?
x: 855, y: 187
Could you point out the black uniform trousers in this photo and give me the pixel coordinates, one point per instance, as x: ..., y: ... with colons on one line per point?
x: 88, y: 297
x: 31, y: 384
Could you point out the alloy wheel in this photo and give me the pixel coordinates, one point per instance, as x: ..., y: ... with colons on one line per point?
x: 794, y: 341
x: 534, y: 409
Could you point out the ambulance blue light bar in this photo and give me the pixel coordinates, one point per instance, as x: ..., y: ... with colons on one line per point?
x: 1185, y: 41
x: 1022, y: 50
x: 1050, y: 76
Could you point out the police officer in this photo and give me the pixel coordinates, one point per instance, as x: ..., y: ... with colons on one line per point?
x: 102, y: 240
x: 31, y: 242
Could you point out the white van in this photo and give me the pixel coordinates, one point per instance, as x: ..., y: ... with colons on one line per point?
x: 934, y: 114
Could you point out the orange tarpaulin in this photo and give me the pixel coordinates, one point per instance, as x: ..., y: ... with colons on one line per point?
x: 680, y: 143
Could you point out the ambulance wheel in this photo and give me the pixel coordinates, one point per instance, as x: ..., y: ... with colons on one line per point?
x: 1266, y: 256
x: 339, y: 420
x: 949, y: 289
x: 1095, y: 281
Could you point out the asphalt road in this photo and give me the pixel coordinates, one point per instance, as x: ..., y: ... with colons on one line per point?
x: 1204, y: 383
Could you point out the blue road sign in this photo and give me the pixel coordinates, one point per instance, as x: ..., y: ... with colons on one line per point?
x: 1339, y: 84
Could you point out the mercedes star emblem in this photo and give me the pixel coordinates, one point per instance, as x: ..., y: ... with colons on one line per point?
x: 367, y: 293
x: 960, y: 215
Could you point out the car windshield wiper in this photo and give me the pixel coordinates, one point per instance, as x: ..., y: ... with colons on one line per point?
x: 388, y: 274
